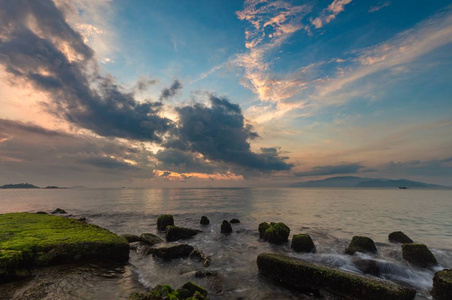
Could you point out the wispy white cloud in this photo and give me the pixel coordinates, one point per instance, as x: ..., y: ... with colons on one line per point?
x: 379, y: 6
x: 330, y: 13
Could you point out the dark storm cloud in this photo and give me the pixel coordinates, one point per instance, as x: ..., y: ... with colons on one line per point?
x: 8, y: 127
x: 332, y: 170
x: 184, y: 161
x: 144, y: 83
x: 171, y: 91
x: 219, y: 133
x: 106, y: 110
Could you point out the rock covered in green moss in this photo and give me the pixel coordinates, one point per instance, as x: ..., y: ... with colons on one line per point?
x: 303, y: 243
x: 172, y: 252
x: 419, y: 255
x: 163, y: 221
x: 32, y: 240
x: 59, y: 211
x: 174, y: 233
x: 150, y: 239
x: 362, y: 244
x: 131, y: 238
x: 204, y: 221
x: 234, y: 221
x: 306, y: 276
x: 188, y: 291
x: 399, y: 237
x: 226, y: 227
x: 442, y: 285
x: 276, y: 233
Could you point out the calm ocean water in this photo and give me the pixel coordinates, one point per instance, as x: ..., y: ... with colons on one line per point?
x: 330, y: 216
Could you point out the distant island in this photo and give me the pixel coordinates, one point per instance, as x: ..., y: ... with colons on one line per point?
x: 353, y: 181
x: 28, y: 186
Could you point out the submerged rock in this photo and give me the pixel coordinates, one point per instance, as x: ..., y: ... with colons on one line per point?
x: 188, y: 291
x: 59, y: 211
x: 361, y: 244
x: 234, y: 221
x: 174, y: 233
x: 276, y: 233
x: 163, y: 221
x: 226, y: 227
x: 442, y: 285
x: 201, y: 256
x: 399, y: 237
x: 367, y: 266
x: 150, y: 239
x: 172, y: 252
x: 131, y: 238
x: 303, y: 243
x: 419, y: 255
x: 41, y: 213
x: 306, y: 276
x: 43, y: 240
x: 204, y: 220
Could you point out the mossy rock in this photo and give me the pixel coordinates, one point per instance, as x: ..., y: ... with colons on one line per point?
x: 59, y: 211
x: 234, y: 221
x: 163, y: 221
x: 367, y: 266
x: 172, y: 252
x: 131, y: 238
x: 442, y: 285
x: 277, y: 233
x: 399, y: 237
x: 419, y: 255
x: 226, y: 227
x: 32, y: 240
x: 150, y: 239
x: 174, y: 233
x: 204, y: 221
x: 304, y: 276
x: 262, y: 228
x: 188, y: 291
x: 303, y: 243
x: 362, y: 244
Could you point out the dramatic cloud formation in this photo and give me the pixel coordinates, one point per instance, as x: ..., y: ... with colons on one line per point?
x: 331, y: 170
x: 39, y: 46
x: 219, y: 133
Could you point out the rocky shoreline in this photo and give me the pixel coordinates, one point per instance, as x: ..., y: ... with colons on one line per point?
x: 61, y: 240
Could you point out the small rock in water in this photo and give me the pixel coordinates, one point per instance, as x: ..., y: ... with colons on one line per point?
x: 204, y: 220
x: 188, y: 291
x: 303, y: 243
x: 59, y: 211
x: 200, y: 256
x: 367, y: 266
x: 361, y: 244
x: 131, y: 237
x: 262, y: 228
x: 163, y: 221
x: 174, y: 233
x: 419, y: 255
x: 226, y: 227
x: 83, y: 219
x: 234, y: 221
x: 399, y: 237
x: 442, y: 285
x: 41, y: 213
x: 275, y: 233
x: 150, y: 239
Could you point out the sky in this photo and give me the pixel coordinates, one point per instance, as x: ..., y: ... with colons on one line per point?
x: 108, y: 93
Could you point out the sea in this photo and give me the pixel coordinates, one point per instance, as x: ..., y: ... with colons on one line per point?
x: 332, y: 216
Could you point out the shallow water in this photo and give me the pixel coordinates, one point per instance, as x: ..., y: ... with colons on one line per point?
x: 330, y: 216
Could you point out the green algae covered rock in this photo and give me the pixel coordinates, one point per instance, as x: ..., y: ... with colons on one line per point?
x: 276, y: 233
x: 174, y: 233
x: 361, y: 244
x: 150, y: 239
x: 226, y: 227
x: 262, y: 228
x: 442, y: 285
x: 204, y: 221
x: 32, y: 240
x: 305, y: 276
x: 188, y: 291
x: 163, y: 221
x: 172, y: 252
x: 399, y: 237
x: 303, y: 243
x: 59, y: 211
x: 419, y: 255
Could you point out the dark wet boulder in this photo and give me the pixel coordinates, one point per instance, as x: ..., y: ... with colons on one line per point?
x: 399, y: 237
x: 442, y: 285
x: 201, y: 256
x: 234, y: 221
x: 226, y: 227
x: 419, y: 255
x: 174, y: 233
x: 150, y: 239
x: 83, y: 219
x: 41, y: 213
x: 59, y: 211
x: 304, y: 276
x: 190, y: 289
x: 131, y: 238
x: 163, y: 221
x: 303, y: 243
x: 367, y: 266
x: 276, y: 233
x: 262, y: 228
x: 142, y: 248
x: 361, y: 244
x: 204, y: 220
x: 172, y: 252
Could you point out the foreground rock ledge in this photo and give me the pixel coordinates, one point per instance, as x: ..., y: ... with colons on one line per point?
x: 311, y: 277
x: 35, y: 240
